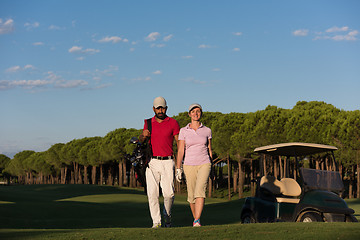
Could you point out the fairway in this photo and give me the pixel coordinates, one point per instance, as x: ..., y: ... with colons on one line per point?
x: 105, y: 212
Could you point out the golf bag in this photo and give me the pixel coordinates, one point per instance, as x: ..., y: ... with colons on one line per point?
x: 140, y: 157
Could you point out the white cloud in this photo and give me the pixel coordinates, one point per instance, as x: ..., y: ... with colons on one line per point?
x: 30, y: 26
x: 152, y: 36
x: 70, y: 83
x: 160, y: 45
x: 216, y: 69
x: 168, y: 37
x: 301, y: 32
x: 13, y: 69
x: 7, y: 26
x: 51, y: 76
x: 113, y: 39
x: 77, y: 49
x: 38, y: 44
x: 236, y: 49
x: 90, y: 51
x: 351, y: 36
x: 204, y: 46
x: 157, y: 72
x: 140, y: 79
x: 29, y: 66
x: 27, y: 84
x: 193, y: 80
x: 99, y: 74
x: 237, y: 33
x: 52, y: 80
x: 337, y: 29
x: 54, y: 27
x: 187, y: 57
x: 333, y: 34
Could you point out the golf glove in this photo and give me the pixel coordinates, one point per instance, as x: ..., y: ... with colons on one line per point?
x: 178, y: 174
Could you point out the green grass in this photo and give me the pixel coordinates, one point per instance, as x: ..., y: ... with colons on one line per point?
x: 104, y: 212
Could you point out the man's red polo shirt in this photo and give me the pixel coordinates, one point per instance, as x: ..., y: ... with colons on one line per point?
x: 162, y: 136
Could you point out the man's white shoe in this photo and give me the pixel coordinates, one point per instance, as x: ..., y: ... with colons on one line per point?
x: 158, y: 225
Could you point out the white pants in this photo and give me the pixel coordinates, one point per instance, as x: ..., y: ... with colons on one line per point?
x: 160, y: 172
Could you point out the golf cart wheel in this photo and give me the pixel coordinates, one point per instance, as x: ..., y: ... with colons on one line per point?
x: 247, y: 218
x: 350, y: 218
x: 311, y: 217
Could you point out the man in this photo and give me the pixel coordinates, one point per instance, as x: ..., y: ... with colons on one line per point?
x: 161, y: 166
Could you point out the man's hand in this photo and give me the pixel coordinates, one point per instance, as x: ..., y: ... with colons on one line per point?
x: 178, y: 174
x: 145, y: 134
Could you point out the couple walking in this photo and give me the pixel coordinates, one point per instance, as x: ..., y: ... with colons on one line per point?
x: 193, y: 157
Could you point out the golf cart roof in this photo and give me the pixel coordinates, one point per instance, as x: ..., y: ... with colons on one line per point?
x: 294, y: 149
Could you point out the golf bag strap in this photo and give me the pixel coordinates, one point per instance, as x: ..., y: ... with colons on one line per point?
x: 149, y: 124
x: 149, y: 147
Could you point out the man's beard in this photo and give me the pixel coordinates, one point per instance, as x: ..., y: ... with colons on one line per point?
x: 161, y: 116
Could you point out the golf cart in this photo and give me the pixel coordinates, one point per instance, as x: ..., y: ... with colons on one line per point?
x: 313, y: 197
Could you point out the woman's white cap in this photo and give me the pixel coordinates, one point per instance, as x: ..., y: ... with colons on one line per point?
x: 194, y: 105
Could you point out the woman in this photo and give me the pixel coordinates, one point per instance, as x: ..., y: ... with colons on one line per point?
x: 195, y: 145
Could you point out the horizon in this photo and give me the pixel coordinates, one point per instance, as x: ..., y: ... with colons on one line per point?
x: 11, y: 155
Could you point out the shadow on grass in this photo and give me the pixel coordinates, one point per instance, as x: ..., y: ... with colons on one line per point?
x: 88, y: 206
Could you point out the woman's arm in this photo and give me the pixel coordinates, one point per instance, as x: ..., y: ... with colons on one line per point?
x: 209, y: 149
x: 180, y: 153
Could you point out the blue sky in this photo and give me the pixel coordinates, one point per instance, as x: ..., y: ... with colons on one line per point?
x: 74, y: 69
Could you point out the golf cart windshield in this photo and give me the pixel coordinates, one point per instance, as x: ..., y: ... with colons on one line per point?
x: 312, y: 178
x: 322, y: 180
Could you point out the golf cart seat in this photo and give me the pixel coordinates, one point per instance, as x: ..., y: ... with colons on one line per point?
x: 290, y: 189
x: 286, y: 190
x: 271, y: 184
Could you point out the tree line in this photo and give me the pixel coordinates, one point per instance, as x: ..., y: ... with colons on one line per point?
x: 102, y: 160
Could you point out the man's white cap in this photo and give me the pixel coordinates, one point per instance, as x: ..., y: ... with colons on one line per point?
x: 195, y: 105
x: 159, y: 102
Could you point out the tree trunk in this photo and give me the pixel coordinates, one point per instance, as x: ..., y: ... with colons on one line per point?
x: 110, y: 176
x: 358, y: 180
x: 264, y: 164
x: 281, y: 168
x: 125, y: 177
x: 317, y: 165
x: 235, y: 179
x: 86, y: 177
x: 62, y: 173
x: 132, y: 178
x: 101, y: 174
x: 252, y: 178
x: 210, y: 186
x: 121, y: 175
x: 80, y: 176
x: 76, y: 172
x: 93, y: 175
x: 229, y: 176
x: 241, y: 179
x: 72, y: 177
